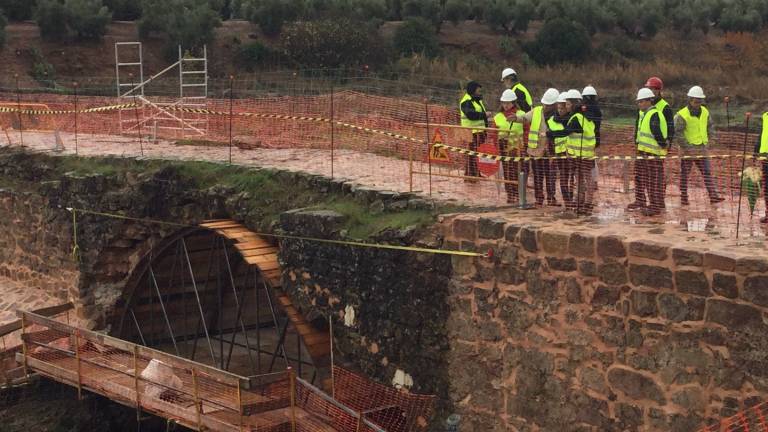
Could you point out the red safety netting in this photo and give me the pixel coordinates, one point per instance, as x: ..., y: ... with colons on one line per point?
x: 382, y: 142
x: 754, y: 419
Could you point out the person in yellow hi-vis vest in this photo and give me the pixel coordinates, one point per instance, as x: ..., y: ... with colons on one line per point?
x: 473, y: 115
x: 510, y: 80
x: 651, y: 139
x: 557, y: 124
x: 540, y: 147
x: 761, y: 150
x: 581, y: 152
x: 694, y: 126
x: 510, y: 142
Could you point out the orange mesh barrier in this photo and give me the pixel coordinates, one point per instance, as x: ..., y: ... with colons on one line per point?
x: 752, y: 419
x: 381, y: 142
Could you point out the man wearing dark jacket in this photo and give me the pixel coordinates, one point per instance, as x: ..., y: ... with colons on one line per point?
x: 593, y: 111
x: 473, y: 115
x: 651, y: 137
x: 657, y: 85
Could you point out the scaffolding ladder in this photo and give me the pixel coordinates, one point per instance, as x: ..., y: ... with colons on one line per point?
x: 129, y: 65
x: 172, y: 118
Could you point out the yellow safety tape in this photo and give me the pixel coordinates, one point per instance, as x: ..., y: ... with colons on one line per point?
x: 467, y: 152
x: 280, y: 236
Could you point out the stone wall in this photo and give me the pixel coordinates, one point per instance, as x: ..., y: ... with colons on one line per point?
x: 33, y: 248
x: 582, y: 329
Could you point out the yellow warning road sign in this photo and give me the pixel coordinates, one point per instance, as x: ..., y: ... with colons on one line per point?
x: 438, y: 153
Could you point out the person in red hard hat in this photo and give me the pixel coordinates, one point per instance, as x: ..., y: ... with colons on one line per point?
x: 652, y: 139
x: 657, y: 85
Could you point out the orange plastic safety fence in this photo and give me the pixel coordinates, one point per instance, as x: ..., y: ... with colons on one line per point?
x: 752, y: 419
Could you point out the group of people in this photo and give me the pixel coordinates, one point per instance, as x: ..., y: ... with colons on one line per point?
x: 562, y: 134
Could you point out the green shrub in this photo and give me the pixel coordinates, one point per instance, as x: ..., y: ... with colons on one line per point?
x: 416, y: 36
x: 559, y: 41
x: 735, y: 19
x: 331, y: 44
x: 124, y: 10
x: 250, y: 55
x: 189, y: 23
x: 88, y: 19
x: 51, y: 17
x: 18, y: 10
x: 456, y: 11
x: 619, y: 49
x: 510, y: 15
x: 507, y: 46
x: 427, y: 9
x: 42, y: 71
x: 271, y: 15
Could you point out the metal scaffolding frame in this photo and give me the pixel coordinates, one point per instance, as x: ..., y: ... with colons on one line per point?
x: 156, y: 115
x: 203, y: 308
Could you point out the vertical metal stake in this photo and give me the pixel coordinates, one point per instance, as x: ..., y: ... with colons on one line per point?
x: 79, y: 367
x: 75, y: 89
x: 333, y: 128
x: 429, y: 149
x: 138, y: 123
x: 18, y: 108
x: 231, y: 103
x: 741, y: 179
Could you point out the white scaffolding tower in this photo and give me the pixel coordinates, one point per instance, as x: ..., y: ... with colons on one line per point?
x: 156, y: 116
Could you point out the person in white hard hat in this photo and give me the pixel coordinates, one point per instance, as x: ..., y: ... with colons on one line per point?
x: 510, y: 141
x: 557, y: 123
x: 651, y: 137
x: 694, y: 125
x: 524, y: 99
x: 593, y: 112
x: 539, y: 146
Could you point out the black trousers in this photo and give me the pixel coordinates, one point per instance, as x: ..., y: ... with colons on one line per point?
x: 649, y: 182
x: 703, y: 165
x: 765, y: 188
x: 471, y: 168
x: 564, y: 173
x: 510, y: 170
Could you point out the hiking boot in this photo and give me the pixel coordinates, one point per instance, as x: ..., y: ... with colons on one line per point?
x: 635, y: 206
x: 651, y: 212
x: 716, y: 200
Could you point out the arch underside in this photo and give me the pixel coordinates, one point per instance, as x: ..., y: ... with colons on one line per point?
x: 212, y: 295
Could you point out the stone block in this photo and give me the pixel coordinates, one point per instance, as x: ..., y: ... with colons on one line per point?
x: 554, y: 243
x: 611, y: 246
x: 612, y: 273
x: 528, y: 239
x: 542, y: 289
x: 644, y: 303
x: 635, y: 385
x: 588, y: 268
x: 510, y: 234
x: 725, y: 285
x: 720, y: 261
x: 465, y: 228
x: 582, y: 245
x: 462, y: 266
x: 692, y: 282
x: 686, y: 257
x: 650, y: 276
x: 691, y: 398
x: 572, y: 291
x: 606, y: 296
x: 756, y: 290
x: 747, y: 266
x: 490, y: 228
x: 649, y: 250
x: 732, y: 315
x: 315, y: 223
x: 629, y: 417
x: 562, y: 264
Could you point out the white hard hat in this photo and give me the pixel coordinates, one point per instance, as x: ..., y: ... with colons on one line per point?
x: 645, y: 93
x: 589, y: 91
x: 508, y: 96
x: 507, y: 72
x: 696, y: 92
x: 550, y: 96
x: 563, y: 97
x: 573, y: 94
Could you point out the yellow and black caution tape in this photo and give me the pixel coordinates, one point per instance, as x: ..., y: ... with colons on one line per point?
x: 467, y: 152
x: 76, y: 248
x: 7, y: 109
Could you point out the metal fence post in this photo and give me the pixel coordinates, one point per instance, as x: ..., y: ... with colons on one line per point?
x: 231, y: 103
x: 292, y: 380
x: 75, y: 90
x: 18, y: 108
x: 79, y: 366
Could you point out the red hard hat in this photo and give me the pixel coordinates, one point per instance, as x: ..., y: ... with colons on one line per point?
x: 654, y: 83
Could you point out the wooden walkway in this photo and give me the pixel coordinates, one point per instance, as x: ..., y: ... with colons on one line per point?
x: 259, y: 252
x: 189, y: 393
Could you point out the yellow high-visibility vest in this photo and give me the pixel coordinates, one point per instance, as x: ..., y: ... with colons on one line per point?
x: 695, y: 127
x: 644, y: 138
x: 479, y: 107
x: 764, y: 135
x: 583, y: 144
x: 561, y: 144
x: 533, y: 132
x: 528, y: 98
